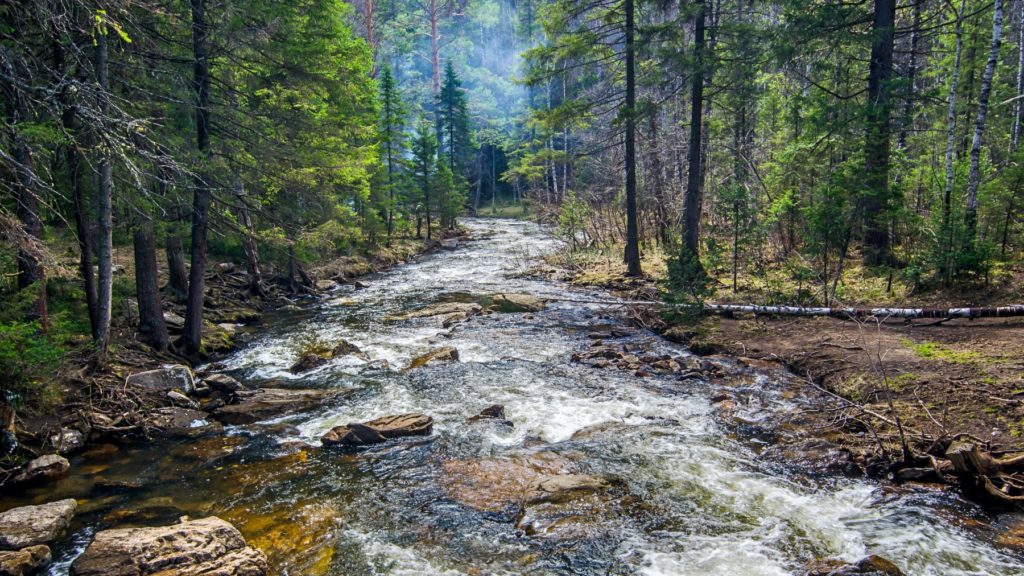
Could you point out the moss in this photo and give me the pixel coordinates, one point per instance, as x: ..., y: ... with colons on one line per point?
x: 934, y: 351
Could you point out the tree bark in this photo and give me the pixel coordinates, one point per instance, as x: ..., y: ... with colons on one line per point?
x: 104, y: 228
x: 632, y: 226
x: 152, y: 328
x: 1018, y: 105
x: 911, y: 89
x: 947, y: 198
x: 692, y: 204
x: 177, y: 274
x: 252, y: 255
x: 974, y: 175
x: 875, y: 201
x: 193, y: 332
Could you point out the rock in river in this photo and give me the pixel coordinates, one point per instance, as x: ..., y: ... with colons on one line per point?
x: 869, y: 566
x: 516, y: 303
x: 264, y: 403
x: 307, y: 362
x: 446, y: 354
x: 25, y: 561
x: 181, y: 422
x: 164, y: 379
x: 379, y: 430
x: 32, y: 525
x: 443, y: 309
x: 206, y: 547
x: 43, y: 469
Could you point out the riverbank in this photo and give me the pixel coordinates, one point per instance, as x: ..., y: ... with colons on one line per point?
x: 941, y: 382
x: 83, y: 405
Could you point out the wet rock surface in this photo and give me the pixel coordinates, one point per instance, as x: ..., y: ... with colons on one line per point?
x: 446, y: 354
x: 24, y: 562
x: 263, y: 403
x: 42, y: 469
x: 181, y: 422
x: 164, y: 379
x: 510, y: 303
x: 444, y: 309
x: 31, y: 525
x: 869, y: 566
x: 379, y: 430
x: 205, y: 547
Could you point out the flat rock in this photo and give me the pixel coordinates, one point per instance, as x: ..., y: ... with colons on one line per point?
x: 572, y: 506
x: 255, y: 405
x: 176, y: 377
x: 32, y: 525
x: 516, y: 303
x: 498, y: 484
x: 174, y: 320
x: 25, y: 561
x: 446, y: 354
x: 443, y: 309
x: 379, y: 430
x: 181, y: 422
x: 205, y: 547
x: 43, y: 469
x: 564, y: 487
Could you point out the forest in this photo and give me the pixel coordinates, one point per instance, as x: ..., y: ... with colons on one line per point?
x: 172, y: 171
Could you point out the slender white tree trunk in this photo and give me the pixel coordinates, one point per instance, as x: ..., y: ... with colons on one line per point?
x: 947, y: 201
x: 974, y: 177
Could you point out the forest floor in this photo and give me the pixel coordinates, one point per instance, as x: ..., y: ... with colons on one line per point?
x: 79, y: 393
x: 940, y: 379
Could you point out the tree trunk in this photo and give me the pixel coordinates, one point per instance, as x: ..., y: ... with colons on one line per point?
x: 690, y: 257
x: 974, y: 175
x: 435, y: 49
x: 177, y: 274
x: 104, y: 228
x: 252, y: 255
x: 875, y: 201
x: 911, y: 89
x: 193, y: 332
x: 632, y: 225
x: 947, y: 198
x: 1018, y: 105
x: 152, y: 328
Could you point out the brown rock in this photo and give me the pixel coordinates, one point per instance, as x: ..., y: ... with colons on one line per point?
x: 25, y: 561
x: 346, y: 348
x: 265, y: 403
x: 443, y: 309
x: 32, y: 525
x: 516, y: 303
x: 206, y: 547
x: 43, y: 469
x: 379, y: 430
x: 224, y: 383
x: 446, y: 354
x: 564, y: 487
x: 869, y: 566
x: 307, y: 362
x: 164, y: 379
x: 181, y: 422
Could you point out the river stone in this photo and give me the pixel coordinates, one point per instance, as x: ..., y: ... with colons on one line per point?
x: 307, y: 362
x: 443, y: 309
x: 572, y: 506
x: 516, y: 303
x: 446, y: 354
x: 496, y: 411
x: 264, y: 403
x: 379, y: 430
x: 174, y: 320
x: 181, y: 422
x: 25, y: 561
x: 346, y: 348
x: 164, y: 379
x: 498, y: 484
x: 224, y: 383
x: 32, y: 525
x: 205, y: 547
x: 43, y: 469
x: 67, y: 441
x: 870, y: 566
x: 564, y: 487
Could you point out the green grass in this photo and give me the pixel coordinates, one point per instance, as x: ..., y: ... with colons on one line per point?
x: 935, y: 351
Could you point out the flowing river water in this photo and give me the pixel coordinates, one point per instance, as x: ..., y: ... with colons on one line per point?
x: 696, y: 498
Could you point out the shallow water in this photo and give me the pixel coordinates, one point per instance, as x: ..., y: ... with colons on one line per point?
x: 701, y: 501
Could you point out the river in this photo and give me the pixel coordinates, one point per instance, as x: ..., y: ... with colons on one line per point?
x: 696, y: 498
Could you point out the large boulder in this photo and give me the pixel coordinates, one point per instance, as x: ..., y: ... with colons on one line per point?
x: 32, y: 525
x: 446, y: 354
x: 205, y: 547
x: 516, y: 303
x: 25, y: 561
x: 444, y: 309
x: 164, y: 380
x: 264, y: 403
x: 43, y: 469
x: 379, y: 430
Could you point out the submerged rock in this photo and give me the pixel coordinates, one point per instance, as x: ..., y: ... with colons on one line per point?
x: 509, y: 303
x: 494, y: 411
x: 573, y: 505
x: 379, y: 430
x: 870, y: 566
x: 443, y: 309
x: 164, y: 379
x: 25, y: 561
x: 205, y: 547
x: 255, y: 405
x: 446, y: 354
x: 32, y: 525
x: 499, y: 484
x: 43, y: 469
x: 307, y: 362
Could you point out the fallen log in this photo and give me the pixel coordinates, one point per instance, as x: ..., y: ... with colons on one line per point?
x: 837, y: 312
